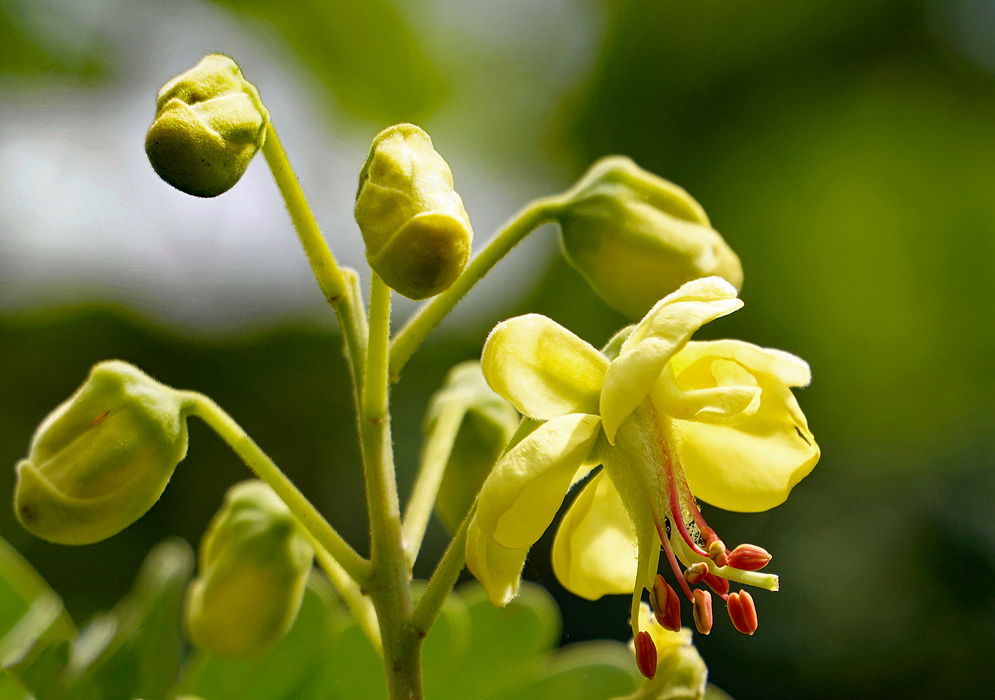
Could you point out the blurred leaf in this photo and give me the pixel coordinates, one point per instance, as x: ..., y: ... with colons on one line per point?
x: 133, y: 651
x: 297, y: 669
x: 142, y: 658
x: 10, y: 689
x: 587, y: 671
x: 36, y: 651
x: 507, y: 645
x: 20, y: 585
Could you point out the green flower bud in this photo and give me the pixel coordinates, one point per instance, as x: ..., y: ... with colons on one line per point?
x: 254, y: 563
x: 209, y: 122
x: 99, y: 461
x: 416, y: 231
x: 637, y: 237
x: 488, y: 424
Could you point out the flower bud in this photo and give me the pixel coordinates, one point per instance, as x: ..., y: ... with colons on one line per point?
x: 99, y: 461
x: 416, y: 231
x: 487, y: 425
x: 637, y: 237
x: 209, y: 123
x: 254, y: 563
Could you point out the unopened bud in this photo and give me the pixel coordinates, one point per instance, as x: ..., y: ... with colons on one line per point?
x: 666, y: 605
x: 645, y: 654
x: 416, y: 231
x: 209, y: 123
x: 101, y: 460
x: 254, y: 563
x: 487, y: 425
x: 749, y: 557
x: 742, y: 612
x: 637, y: 237
x: 694, y: 573
x: 702, y: 611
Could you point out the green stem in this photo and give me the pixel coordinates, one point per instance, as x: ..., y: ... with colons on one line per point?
x: 435, y: 456
x: 264, y: 467
x: 359, y: 605
x: 339, y: 285
x: 330, y: 277
x: 443, y: 579
x: 430, y: 314
x: 389, y: 588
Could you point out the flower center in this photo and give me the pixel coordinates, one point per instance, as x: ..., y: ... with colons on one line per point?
x: 645, y: 467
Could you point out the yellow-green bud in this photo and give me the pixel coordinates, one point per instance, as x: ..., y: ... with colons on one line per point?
x: 209, y: 123
x: 254, y: 563
x: 488, y: 424
x: 416, y: 231
x: 99, y: 461
x: 637, y: 237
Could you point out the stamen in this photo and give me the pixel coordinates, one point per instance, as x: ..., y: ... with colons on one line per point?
x: 747, y: 578
x: 645, y: 654
x: 742, y: 612
x: 749, y: 557
x: 717, y: 584
x: 695, y: 572
x: 702, y: 611
x: 666, y: 605
x: 676, y: 511
x: 718, y: 553
x: 673, y: 562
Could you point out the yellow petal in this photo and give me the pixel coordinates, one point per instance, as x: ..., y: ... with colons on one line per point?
x: 753, y: 465
x: 656, y: 339
x: 498, y: 568
x: 521, y: 496
x: 667, y: 642
x: 729, y: 403
x: 542, y: 368
x: 594, y: 553
x: 790, y: 369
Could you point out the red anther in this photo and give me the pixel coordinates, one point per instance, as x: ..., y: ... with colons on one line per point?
x: 645, y: 654
x: 717, y: 584
x: 666, y: 605
x: 742, y: 612
x: 749, y: 557
x: 695, y: 572
x: 718, y: 552
x: 702, y: 611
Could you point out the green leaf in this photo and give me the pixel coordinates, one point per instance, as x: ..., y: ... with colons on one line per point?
x: 133, y: 651
x: 587, y: 671
x: 36, y: 650
x: 20, y: 585
x: 296, y: 669
x: 506, y: 648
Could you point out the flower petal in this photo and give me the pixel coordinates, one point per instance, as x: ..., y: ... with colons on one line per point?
x: 542, y: 368
x: 790, y: 369
x: 656, y: 339
x: 729, y: 403
x: 594, y: 553
x: 522, y: 494
x: 753, y: 465
x: 498, y: 568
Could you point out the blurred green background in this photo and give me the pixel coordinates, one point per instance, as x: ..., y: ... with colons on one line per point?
x: 844, y: 148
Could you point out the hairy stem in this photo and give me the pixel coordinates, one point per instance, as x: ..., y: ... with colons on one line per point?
x: 264, y: 467
x: 428, y: 316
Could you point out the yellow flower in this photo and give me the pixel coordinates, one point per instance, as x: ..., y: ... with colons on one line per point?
x: 670, y: 419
